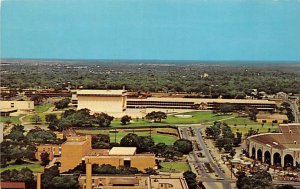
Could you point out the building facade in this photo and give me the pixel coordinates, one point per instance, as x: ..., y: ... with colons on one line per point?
x: 112, y: 102
x: 8, y: 107
x: 279, y: 149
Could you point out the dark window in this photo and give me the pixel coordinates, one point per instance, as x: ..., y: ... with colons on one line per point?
x: 127, y: 163
x: 12, y: 105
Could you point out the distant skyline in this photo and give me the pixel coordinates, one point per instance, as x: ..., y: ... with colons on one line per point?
x: 207, y: 30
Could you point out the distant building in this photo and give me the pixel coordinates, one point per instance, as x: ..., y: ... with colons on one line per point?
x: 112, y: 102
x: 132, y: 182
x: 199, y: 103
x: 9, y: 107
x: 271, y: 118
x: 280, y: 149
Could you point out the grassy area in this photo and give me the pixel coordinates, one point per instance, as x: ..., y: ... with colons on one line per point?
x: 13, y: 119
x: 167, y: 139
x: 174, y: 167
x: 244, y: 129
x: 243, y: 124
x: 43, y: 108
x: 198, y: 117
x: 36, y: 167
x: 42, y: 116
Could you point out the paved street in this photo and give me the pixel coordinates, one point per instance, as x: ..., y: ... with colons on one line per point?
x: 222, y: 181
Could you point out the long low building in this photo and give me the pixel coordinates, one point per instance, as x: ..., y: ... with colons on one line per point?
x: 280, y: 149
x: 199, y: 103
x: 116, y: 103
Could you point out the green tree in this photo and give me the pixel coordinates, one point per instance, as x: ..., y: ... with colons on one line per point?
x: 156, y: 116
x: 102, y: 119
x: 24, y: 175
x: 51, y: 118
x: 190, y: 178
x: 125, y: 119
x: 48, y: 175
x: 45, y: 159
x: 41, y: 136
x: 64, y: 182
x: 184, y: 146
x: 36, y: 119
x: 130, y: 140
x: 61, y: 104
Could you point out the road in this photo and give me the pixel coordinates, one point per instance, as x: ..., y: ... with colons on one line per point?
x: 211, y: 182
x: 294, y: 106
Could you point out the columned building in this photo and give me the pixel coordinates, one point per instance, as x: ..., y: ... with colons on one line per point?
x: 280, y: 149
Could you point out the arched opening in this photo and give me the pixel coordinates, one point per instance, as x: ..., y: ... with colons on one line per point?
x: 277, y: 159
x: 267, y: 157
x: 288, y: 160
x: 259, y: 155
x: 253, y: 153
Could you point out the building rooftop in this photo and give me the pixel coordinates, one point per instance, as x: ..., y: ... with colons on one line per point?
x: 100, y: 92
x: 125, y: 151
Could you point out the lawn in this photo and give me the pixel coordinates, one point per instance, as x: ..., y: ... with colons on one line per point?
x: 174, y: 167
x: 243, y: 124
x: 35, y: 167
x: 198, y: 117
x: 13, y: 119
x: 167, y: 139
x: 43, y: 108
x: 42, y: 116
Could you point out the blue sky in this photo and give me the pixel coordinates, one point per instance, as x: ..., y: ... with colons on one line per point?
x: 261, y: 30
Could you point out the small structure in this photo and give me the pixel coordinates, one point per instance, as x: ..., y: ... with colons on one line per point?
x: 271, y: 118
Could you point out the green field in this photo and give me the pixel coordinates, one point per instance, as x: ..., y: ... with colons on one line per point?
x: 42, y: 116
x: 43, y: 108
x: 167, y: 139
x: 243, y: 124
x: 13, y: 119
x: 198, y: 117
x: 35, y: 167
x: 174, y: 167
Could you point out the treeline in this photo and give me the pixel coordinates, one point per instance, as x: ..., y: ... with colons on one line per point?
x: 228, y: 81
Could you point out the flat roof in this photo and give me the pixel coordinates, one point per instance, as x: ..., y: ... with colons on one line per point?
x: 125, y: 151
x: 205, y: 100
x: 101, y: 92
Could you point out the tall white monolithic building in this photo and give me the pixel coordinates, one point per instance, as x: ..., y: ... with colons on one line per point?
x: 112, y: 102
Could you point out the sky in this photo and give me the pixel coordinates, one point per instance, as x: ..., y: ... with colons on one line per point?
x: 231, y: 30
